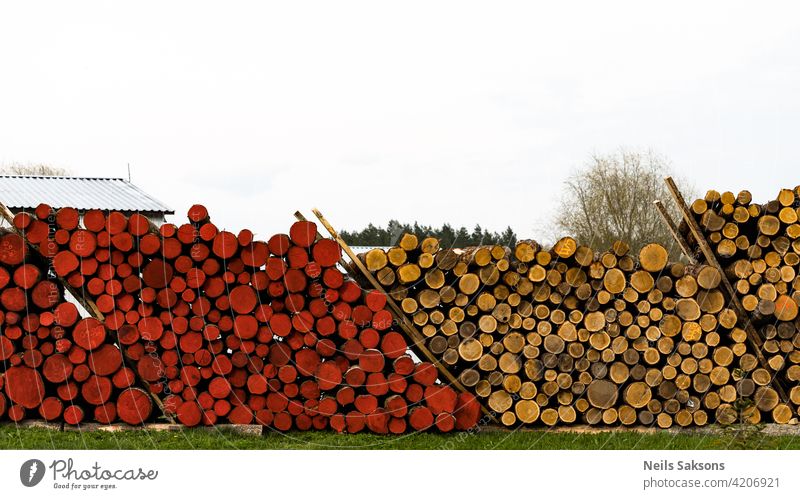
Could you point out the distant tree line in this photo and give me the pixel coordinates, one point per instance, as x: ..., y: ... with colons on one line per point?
x: 449, y: 236
x: 33, y: 169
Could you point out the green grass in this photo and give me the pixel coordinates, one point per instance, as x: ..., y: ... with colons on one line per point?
x: 12, y: 437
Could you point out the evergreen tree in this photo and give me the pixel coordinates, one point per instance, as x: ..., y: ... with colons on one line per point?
x: 462, y: 237
x: 395, y: 230
x: 476, y: 238
x: 508, y: 237
x: 449, y: 236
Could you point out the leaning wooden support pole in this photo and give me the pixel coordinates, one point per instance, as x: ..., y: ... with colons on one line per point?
x: 416, y: 337
x: 86, y: 302
x: 676, y: 235
x: 755, y: 340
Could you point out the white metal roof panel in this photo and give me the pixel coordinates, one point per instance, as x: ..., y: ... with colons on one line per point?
x: 83, y: 193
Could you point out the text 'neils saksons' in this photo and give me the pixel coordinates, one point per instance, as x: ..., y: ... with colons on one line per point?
x: 665, y: 465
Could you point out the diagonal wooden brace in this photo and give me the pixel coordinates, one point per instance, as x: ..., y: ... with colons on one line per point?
x: 683, y: 244
x: 418, y: 340
x: 753, y: 337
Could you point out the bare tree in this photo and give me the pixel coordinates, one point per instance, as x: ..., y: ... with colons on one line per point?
x: 612, y: 199
x: 33, y: 169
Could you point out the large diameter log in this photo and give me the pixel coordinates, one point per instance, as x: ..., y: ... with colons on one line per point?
x: 134, y: 406
x: 638, y: 394
x: 467, y: 411
x: 602, y: 394
x: 653, y: 257
x: 24, y: 386
x: 470, y: 349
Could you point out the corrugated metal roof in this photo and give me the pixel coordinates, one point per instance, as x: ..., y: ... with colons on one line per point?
x: 83, y: 193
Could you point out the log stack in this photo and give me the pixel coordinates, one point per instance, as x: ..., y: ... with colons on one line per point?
x: 226, y: 328
x: 566, y: 335
x: 55, y: 365
x: 759, y: 249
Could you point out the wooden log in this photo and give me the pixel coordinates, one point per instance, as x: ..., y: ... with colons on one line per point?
x: 602, y: 394
x: 653, y: 257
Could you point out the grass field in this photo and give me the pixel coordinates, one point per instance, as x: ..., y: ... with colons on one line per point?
x: 12, y: 437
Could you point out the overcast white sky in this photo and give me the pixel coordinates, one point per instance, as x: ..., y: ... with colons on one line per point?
x: 428, y: 111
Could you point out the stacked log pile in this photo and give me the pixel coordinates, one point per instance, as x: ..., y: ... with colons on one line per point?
x: 226, y: 328
x: 758, y: 245
x: 566, y: 335
x: 56, y: 366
